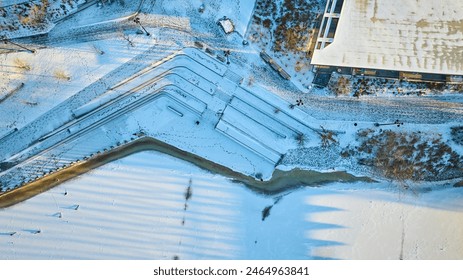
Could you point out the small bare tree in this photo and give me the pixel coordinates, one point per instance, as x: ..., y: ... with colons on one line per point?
x: 327, y: 137
x: 300, y: 139
x: 126, y: 38
x: 98, y: 50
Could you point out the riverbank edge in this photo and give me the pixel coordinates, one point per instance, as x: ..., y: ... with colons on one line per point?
x: 281, y: 180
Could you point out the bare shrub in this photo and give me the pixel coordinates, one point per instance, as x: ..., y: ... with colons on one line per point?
x: 251, y: 80
x: 36, y: 15
x: 340, y: 85
x: 61, y: 75
x: 403, y: 157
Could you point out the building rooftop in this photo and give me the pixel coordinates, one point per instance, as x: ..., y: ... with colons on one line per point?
x: 423, y: 36
x: 227, y: 25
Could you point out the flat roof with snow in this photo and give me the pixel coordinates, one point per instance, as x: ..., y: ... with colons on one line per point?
x: 424, y: 36
x: 227, y: 25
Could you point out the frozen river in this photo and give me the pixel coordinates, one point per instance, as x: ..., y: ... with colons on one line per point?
x: 145, y: 207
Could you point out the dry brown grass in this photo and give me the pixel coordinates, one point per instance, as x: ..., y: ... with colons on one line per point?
x: 22, y: 64
x: 61, y: 75
x: 36, y: 15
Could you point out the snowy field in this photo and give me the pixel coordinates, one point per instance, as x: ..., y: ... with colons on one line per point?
x: 137, y: 208
x: 44, y: 88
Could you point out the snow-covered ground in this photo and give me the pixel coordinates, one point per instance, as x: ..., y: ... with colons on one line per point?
x: 83, y: 63
x: 99, y: 13
x: 136, y: 208
x: 239, y: 12
x: 379, y: 224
